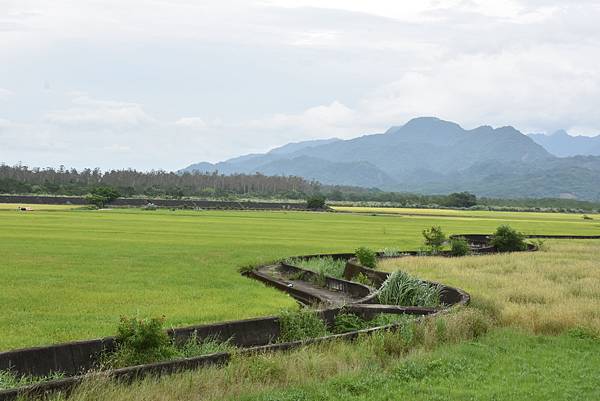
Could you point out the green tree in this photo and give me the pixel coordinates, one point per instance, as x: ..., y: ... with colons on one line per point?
x: 434, y: 238
x: 461, y: 199
x: 315, y: 202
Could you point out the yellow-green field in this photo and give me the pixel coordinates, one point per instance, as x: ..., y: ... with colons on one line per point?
x: 70, y: 274
x: 543, y: 292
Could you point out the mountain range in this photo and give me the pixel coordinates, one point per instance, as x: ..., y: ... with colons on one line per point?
x: 429, y: 155
x: 562, y: 144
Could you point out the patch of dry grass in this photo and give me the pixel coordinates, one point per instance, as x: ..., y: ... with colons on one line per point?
x: 545, y: 292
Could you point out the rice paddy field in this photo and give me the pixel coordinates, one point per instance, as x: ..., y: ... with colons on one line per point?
x: 70, y: 274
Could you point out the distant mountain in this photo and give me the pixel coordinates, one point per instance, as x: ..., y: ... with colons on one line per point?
x: 430, y: 155
x: 562, y: 144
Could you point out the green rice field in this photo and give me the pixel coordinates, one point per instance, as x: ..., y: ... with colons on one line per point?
x: 70, y: 274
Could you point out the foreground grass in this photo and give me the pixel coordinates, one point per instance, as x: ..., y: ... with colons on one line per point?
x: 544, y: 292
x: 503, y: 365
x: 69, y: 275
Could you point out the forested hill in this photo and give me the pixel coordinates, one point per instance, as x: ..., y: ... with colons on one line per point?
x: 429, y: 155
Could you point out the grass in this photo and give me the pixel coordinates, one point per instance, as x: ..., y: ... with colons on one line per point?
x: 70, y: 274
x: 10, y: 380
x: 402, y: 289
x: 325, y: 266
x: 245, y: 375
x: 544, y: 292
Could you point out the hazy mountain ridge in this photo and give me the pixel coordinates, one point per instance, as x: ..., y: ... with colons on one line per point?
x: 562, y: 144
x: 430, y: 155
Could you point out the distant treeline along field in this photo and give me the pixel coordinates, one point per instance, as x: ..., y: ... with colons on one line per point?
x: 23, y: 180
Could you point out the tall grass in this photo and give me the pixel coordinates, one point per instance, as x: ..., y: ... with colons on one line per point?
x: 545, y: 292
x: 403, y: 289
x: 325, y: 266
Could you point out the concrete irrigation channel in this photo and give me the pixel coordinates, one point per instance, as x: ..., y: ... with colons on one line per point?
x: 78, y: 360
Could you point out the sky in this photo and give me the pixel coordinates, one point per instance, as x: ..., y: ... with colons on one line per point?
x: 159, y: 84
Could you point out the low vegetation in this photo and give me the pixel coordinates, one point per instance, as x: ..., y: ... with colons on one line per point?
x: 9, y: 379
x: 142, y: 341
x: 341, y: 362
x: 507, y: 239
x: 323, y: 266
x: 300, y: 324
x: 403, y: 289
x: 366, y: 257
x: 459, y: 247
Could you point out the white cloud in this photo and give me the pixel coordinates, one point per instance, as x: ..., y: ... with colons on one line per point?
x: 5, y: 94
x: 192, y: 122
x: 88, y: 111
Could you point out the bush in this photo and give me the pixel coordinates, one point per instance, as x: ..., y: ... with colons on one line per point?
x: 300, y: 324
x: 434, y: 238
x: 404, y: 290
x: 315, y: 202
x: 141, y: 341
x: 507, y: 239
x: 586, y: 217
x: 459, y: 247
x: 366, y: 257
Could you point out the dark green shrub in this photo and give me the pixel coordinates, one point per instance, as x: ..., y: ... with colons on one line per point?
x: 300, y: 324
x: 434, y: 238
x: 507, y: 239
x: 586, y: 217
x: 141, y: 341
x: 459, y: 247
x: 315, y: 202
x: 346, y: 322
x: 366, y: 257
x: 404, y: 290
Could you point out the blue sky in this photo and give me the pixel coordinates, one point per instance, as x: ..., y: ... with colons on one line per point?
x: 161, y: 84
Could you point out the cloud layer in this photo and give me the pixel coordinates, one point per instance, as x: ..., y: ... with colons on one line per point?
x: 160, y: 85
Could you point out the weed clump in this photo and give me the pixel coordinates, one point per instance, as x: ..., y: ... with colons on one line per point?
x: 366, y: 257
x: 404, y: 290
x: 142, y: 341
x: 459, y: 247
x: 363, y: 279
x: 300, y: 324
x: 507, y: 239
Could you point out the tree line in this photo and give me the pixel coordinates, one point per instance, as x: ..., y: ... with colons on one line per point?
x: 62, y: 181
